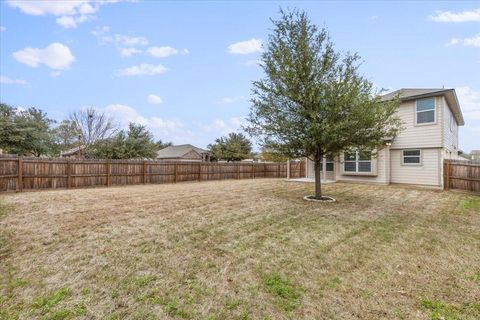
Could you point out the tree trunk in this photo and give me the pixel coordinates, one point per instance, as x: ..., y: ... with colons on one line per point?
x: 318, y: 181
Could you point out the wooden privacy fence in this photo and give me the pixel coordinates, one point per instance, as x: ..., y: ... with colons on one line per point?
x: 18, y: 173
x: 463, y: 175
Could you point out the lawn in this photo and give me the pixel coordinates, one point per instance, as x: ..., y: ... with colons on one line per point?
x: 248, y: 249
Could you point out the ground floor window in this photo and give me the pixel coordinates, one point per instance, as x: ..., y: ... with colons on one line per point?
x: 411, y: 157
x: 329, y: 162
x: 358, y: 161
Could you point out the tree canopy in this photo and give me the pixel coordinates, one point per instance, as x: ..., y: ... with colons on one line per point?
x: 136, y: 143
x: 25, y: 132
x: 234, y: 147
x: 313, y: 100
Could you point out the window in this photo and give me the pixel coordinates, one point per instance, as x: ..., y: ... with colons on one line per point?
x: 411, y: 157
x: 358, y: 161
x: 452, y: 123
x: 426, y: 111
x: 329, y: 163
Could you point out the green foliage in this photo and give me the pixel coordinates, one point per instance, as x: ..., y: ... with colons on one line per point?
x: 66, y: 135
x: 25, y: 132
x: 287, y: 297
x: 313, y: 100
x: 136, y: 143
x: 161, y: 145
x: 234, y: 147
x: 273, y: 156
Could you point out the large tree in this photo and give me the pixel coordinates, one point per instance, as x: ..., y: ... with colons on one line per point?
x: 66, y: 135
x: 313, y: 101
x: 25, y: 132
x: 136, y: 143
x: 92, y: 126
x: 234, y: 147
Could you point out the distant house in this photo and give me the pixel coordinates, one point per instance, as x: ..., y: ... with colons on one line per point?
x: 183, y: 152
x: 475, y: 155
x: 74, y: 153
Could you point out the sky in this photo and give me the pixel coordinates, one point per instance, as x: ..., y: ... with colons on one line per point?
x: 185, y: 68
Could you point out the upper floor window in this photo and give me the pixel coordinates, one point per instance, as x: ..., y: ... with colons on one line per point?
x: 358, y: 161
x: 425, y: 111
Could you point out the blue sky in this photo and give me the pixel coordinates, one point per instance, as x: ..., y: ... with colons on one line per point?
x: 185, y: 68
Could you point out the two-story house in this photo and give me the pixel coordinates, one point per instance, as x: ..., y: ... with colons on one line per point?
x: 431, y: 118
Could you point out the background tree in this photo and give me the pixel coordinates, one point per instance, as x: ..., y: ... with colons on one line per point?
x: 313, y: 100
x: 136, y: 143
x: 25, y: 132
x: 161, y: 145
x: 93, y: 126
x: 272, y: 155
x: 66, y: 135
x: 234, y: 147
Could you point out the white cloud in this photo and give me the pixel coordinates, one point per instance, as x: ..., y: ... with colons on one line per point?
x: 126, y: 114
x: 71, y: 21
x: 142, y: 69
x: 162, y: 52
x: 127, y: 52
x: 223, y: 127
x: 467, y: 42
x: 69, y: 13
x: 469, y: 100
x: 246, y: 47
x: 104, y: 36
x: 2, y: 28
x: 56, y: 56
x: 165, y: 51
x: 154, y: 99
x: 7, y: 80
x: 459, y: 17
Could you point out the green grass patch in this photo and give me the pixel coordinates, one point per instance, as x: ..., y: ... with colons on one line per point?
x: 286, y: 295
x: 444, y: 311
x: 51, y: 300
x: 469, y: 205
x: 144, y: 281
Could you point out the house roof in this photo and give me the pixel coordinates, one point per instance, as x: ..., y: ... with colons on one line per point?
x: 407, y: 94
x: 178, y: 151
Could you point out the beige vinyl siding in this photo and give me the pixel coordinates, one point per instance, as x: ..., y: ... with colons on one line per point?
x: 450, y: 134
x: 428, y: 173
x: 311, y: 170
x: 379, y: 167
x: 419, y: 136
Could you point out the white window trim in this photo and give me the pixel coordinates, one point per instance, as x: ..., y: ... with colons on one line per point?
x: 434, y: 113
x: 357, y: 161
x: 412, y: 164
x: 329, y: 161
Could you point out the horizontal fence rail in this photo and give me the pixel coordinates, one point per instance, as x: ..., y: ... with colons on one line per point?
x: 19, y: 173
x: 462, y: 175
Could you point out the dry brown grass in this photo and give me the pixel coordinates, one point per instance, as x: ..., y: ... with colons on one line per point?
x: 250, y: 249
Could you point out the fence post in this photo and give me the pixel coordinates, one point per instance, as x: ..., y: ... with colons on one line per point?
x: 144, y: 172
x: 446, y: 174
x: 254, y: 171
x: 288, y: 169
x: 109, y: 178
x: 200, y: 171
x: 20, y: 174
x: 470, y: 178
x: 175, y: 172
x: 278, y: 170
x: 69, y: 174
x: 238, y: 170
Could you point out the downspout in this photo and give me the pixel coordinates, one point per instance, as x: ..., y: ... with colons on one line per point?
x: 324, y: 169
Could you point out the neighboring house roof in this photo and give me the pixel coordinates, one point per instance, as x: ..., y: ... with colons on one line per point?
x: 179, y: 151
x: 72, y: 151
x: 407, y: 94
